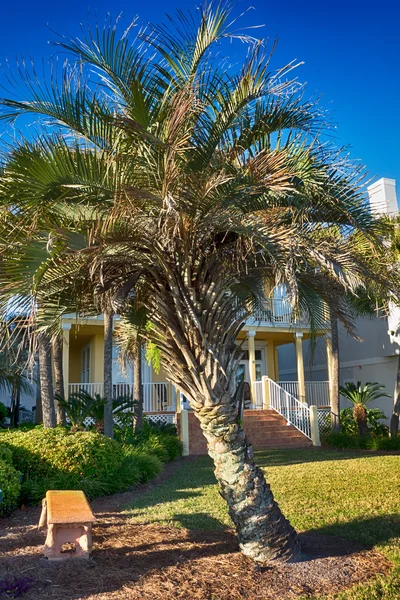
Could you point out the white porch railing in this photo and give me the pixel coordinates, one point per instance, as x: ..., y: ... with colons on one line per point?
x: 258, y: 395
x: 317, y: 392
x: 295, y: 412
x: 157, y: 397
x: 90, y: 388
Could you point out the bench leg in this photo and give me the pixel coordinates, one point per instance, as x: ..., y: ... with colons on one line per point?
x: 78, y: 534
x: 43, y: 515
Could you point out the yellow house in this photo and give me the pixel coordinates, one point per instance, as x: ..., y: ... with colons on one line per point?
x: 268, y: 328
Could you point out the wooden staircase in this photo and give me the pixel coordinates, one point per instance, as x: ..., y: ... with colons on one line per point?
x: 267, y: 430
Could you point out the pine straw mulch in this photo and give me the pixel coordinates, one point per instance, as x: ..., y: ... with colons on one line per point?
x: 149, y: 562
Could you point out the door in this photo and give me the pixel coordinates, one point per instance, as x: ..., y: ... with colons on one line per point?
x: 243, y: 370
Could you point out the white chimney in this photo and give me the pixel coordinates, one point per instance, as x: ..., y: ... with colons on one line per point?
x: 382, y: 197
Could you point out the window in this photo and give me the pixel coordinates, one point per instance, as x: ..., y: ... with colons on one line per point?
x: 85, y: 373
x: 258, y: 355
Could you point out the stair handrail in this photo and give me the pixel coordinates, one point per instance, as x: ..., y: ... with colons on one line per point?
x: 294, y: 411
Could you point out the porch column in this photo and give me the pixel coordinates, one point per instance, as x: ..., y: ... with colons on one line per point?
x: 276, y: 362
x: 252, y: 359
x: 271, y: 367
x: 298, y: 336
x: 66, y: 328
x: 329, y: 364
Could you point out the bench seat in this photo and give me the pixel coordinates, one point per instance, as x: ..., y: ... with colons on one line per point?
x: 69, y: 521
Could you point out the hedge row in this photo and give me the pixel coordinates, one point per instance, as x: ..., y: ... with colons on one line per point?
x: 58, y: 459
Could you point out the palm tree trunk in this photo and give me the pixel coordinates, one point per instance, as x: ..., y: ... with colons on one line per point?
x: 14, y: 406
x: 59, y: 377
x: 394, y: 421
x: 360, y: 417
x: 38, y: 403
x: 137, y: 383
x: 46, y: 382
x: 108, y: 386
x: 335, y: 396
x: 264, y: 533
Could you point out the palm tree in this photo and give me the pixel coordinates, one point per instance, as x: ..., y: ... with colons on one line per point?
x: 335, y: 362
x: 59, y: 377
x: 361, y: 395
x: 46, y: 381
x: 108, y: 385
x: 180, y: 185
x: 129, y: 334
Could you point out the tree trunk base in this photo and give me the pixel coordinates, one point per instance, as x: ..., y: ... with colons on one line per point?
x: 394, y: 425
x: 264, y: 534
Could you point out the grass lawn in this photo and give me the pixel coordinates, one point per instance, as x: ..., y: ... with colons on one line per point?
x: 344, y: 493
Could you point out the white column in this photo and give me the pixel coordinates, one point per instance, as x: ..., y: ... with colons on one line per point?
x: 300, y: 365
x: 184, y: 418
x: 329, y: 364
x: 314, y: 426
x: 66, y: 328
x: 252, y: 362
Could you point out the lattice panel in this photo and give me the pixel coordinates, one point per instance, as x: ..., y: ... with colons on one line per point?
x: 324, y: 420
x: 26, y: 416
x: 162, y: 418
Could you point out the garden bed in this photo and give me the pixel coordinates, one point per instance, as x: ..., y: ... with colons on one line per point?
x: 138, y: 558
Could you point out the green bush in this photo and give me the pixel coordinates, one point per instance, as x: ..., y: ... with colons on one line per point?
x: 10, y: 487
x: 3, y: 412
x: 385, y: 443
x: 148, y: 464
x: 160, y: 440
x: 6, y: 453
x: 374, y: 417
x: 58, y: 459
x: 341, y: 440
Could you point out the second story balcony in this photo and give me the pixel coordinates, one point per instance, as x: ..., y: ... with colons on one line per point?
x: 277, y: 312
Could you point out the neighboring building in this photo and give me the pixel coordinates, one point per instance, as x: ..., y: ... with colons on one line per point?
x: 375, y: 358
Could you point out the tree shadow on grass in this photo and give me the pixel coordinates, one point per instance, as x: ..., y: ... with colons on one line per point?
x: 124, y: 553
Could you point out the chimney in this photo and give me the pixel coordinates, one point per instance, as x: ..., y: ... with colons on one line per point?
x: 382, y: 197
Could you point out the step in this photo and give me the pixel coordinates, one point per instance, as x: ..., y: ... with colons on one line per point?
x: 282, y: 436
x: 287, y: 442
x: 273, y: 426
x: 281, y: 446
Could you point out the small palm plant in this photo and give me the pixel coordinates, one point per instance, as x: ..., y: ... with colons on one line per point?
x: 360, y: 395
x: 81, y: 405
x: 76, y: 408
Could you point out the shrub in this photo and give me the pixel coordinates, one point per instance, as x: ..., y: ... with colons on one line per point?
x: 3, y: 412
x: 148, y: 464
x: 10, y: 487
x: 385, y: 443
x: 58, y: 459
x: 341, y: 439
x: 6, y: 453
x: 374, y: 416
x: 159, y: 439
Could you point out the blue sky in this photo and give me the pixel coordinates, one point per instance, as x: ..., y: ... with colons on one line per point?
x: 351, y: 53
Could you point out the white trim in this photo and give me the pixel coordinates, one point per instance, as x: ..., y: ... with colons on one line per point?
x: 350, y: 363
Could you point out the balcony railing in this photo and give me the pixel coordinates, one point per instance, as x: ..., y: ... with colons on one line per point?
x: 276, y: 311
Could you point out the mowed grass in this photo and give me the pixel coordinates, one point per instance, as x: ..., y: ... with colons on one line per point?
x: 346, y: 493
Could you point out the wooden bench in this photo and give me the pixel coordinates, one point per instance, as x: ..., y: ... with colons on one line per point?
x: 69, y: 519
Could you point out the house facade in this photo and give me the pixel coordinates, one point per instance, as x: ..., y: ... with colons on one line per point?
x: 375, y: 356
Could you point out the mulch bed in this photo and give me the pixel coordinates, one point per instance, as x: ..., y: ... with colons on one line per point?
x: 149, y: 562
